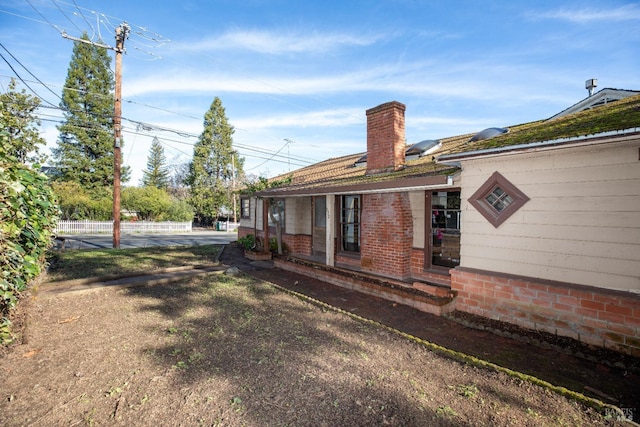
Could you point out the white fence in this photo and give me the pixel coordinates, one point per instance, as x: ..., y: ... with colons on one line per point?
x: 126, y: 227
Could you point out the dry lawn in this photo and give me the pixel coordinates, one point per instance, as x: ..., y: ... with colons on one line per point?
x: 234, y: 351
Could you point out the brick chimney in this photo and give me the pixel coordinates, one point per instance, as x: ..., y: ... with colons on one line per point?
x: 385, y: 138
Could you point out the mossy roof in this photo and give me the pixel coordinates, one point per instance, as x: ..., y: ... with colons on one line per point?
x: 342, y: 172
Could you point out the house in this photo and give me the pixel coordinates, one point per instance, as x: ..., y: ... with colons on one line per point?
x: 536, y: 224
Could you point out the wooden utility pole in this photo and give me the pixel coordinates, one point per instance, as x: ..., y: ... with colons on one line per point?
x: 122, y: 32
x: 233, y: 185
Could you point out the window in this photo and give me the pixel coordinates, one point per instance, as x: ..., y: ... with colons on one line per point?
x: 445, y: 228
x: 350, y: 223
x: 276, y: 208
x: 498, y: 199
x: 245, y: 208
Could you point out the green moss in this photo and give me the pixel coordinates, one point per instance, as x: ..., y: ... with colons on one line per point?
x: 618, y: 115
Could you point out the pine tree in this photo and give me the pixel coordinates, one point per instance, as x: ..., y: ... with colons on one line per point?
x: 211, y: 169
x: 156, y: 174
x: 21, y: 123
x: 85, y: 148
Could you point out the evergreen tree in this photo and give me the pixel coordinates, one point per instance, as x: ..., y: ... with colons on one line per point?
x: 156, y: 174
x: 85, y: 147
x: 212, y: 168
x: 21, y: 124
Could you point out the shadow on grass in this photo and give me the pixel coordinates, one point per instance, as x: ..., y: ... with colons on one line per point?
x: 247, y: 351
x: 77, y: 264
x: 281, y: 361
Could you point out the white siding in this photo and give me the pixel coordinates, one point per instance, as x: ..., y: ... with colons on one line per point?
x: 250, y: 222
x: 298, y: 215
x: 416, y: 198
x: 582, y: 224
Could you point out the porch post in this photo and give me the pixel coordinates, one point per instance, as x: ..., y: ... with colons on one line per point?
x: 331, y: 229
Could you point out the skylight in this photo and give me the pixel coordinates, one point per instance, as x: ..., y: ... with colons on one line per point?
x: 422, y: 148
x: 488, y: 134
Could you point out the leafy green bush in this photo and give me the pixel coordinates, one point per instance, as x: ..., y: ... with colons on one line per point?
x: 180, y: 211
x: 28, y: 216
x: 77, y: 204
x: 155, y: 204
x: 273, y: 245
x: 248, y: 242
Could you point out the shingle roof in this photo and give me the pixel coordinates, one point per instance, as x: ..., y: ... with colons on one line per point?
x: 341, y: 172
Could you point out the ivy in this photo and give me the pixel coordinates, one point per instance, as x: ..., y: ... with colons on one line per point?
x: 28, y: 216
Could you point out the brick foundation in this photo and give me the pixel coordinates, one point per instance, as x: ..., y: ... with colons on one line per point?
x: 599, y: 317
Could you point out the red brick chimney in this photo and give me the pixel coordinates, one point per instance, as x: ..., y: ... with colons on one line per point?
x: 385, y: 138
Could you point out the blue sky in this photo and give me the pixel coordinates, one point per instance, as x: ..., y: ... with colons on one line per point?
x: 296, y: 77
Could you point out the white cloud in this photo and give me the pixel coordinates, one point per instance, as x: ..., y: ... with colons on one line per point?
x: 269, y: 42
x: 397, y: 80
x: 629, y: 12
x: 323, y: 118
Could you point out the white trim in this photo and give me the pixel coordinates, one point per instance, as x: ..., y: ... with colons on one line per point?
x: 601, y: 97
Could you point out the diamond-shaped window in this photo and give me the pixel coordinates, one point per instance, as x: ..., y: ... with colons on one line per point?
x: 498, y: 199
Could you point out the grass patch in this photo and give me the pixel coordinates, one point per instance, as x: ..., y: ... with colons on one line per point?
x: 79, y: 264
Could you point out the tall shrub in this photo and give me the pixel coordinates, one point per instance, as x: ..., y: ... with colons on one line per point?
x: 28, y: 215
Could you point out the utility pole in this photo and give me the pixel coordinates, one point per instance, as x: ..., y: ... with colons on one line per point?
x: 122, y: 33
x: 233, y: 185
x: 288, y: 141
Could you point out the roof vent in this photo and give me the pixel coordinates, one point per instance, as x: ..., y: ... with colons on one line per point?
x: 590, y: 85
x: 362, y: 161
x: 488, y: 134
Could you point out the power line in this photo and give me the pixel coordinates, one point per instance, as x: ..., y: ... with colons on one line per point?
x: 22, y: 80
x: 28, y: 71
x: 157, y: 38
x: 84, y: 17
x: 43, y: 17
x: 65, y: 15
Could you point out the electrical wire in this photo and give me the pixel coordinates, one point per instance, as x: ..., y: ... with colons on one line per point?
x: 85, y: 19
x: 61, y: 31
x: 65, y: 15
x: 28, y: 71
x: 21, y: 79
x: 144, y: 33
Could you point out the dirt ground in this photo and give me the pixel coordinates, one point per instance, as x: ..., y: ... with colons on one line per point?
x: 223, y: 351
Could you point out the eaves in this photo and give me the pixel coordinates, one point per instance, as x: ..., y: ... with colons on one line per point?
x: 405, y: 184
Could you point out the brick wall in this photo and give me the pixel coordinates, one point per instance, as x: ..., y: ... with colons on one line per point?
x: 386, y: 235
x: 299, y: 244
x: 418, y: 272
x: 244, y: 231
x: 385, y: 137
x: 595, y: 316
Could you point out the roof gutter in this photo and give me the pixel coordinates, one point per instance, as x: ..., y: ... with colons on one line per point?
x: 598, y: 138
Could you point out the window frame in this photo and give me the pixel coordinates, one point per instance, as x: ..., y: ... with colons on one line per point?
x: 357, y: 224
x: 487, y: 210
x: 243, y: 214
x: 429, y: 265
x: 274, y: 203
